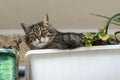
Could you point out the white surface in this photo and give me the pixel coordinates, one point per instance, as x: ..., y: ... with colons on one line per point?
x: 95, y: 63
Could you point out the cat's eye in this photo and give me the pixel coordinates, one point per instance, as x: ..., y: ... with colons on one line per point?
x: 44, y: 31
x: 49, y: 35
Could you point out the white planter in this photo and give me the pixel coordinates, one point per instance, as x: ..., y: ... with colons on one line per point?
x: 95, y: 63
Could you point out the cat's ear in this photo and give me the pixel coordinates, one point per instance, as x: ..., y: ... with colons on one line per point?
x: 46, y: 20
x: 25, y: 27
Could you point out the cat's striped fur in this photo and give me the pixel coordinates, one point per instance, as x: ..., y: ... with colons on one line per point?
x: 42, y: 35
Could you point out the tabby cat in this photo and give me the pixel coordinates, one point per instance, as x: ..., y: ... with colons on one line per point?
x: 43, y: 35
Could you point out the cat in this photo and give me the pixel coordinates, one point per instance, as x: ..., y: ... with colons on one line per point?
x: 43, y: 35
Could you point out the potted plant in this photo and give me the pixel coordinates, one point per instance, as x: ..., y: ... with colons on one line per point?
x: 84, y: 63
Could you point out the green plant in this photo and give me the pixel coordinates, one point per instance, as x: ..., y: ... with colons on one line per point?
x: 90, y: 38
x: 102, y: 34
x: 115, y: 19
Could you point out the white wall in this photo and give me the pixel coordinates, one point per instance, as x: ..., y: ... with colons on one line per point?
x: 62, y: 13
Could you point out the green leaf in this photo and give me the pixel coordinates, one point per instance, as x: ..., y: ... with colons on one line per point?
x: 103, y: 36
x: 100, y: 15
x: 89, y: 35
x: 115, y: 20
x: 101, y: 30
x: 117, y: 32
x: 88, y: 43
x: 110, y: 20
x: 117, y: 38
x: 112, y: 41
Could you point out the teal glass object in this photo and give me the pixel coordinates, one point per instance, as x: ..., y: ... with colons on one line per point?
x: 9, y: 60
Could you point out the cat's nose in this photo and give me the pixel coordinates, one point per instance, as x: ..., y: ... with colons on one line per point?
x: 39, y: 40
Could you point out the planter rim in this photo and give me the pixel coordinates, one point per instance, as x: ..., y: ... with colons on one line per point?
x: 50, y: 51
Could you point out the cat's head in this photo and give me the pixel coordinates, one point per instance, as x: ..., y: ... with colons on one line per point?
x: 40, y: 34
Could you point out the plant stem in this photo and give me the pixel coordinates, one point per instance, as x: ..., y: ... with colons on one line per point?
x: 109, y: 21
x: 100, y: 15
x: 115, y: 23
